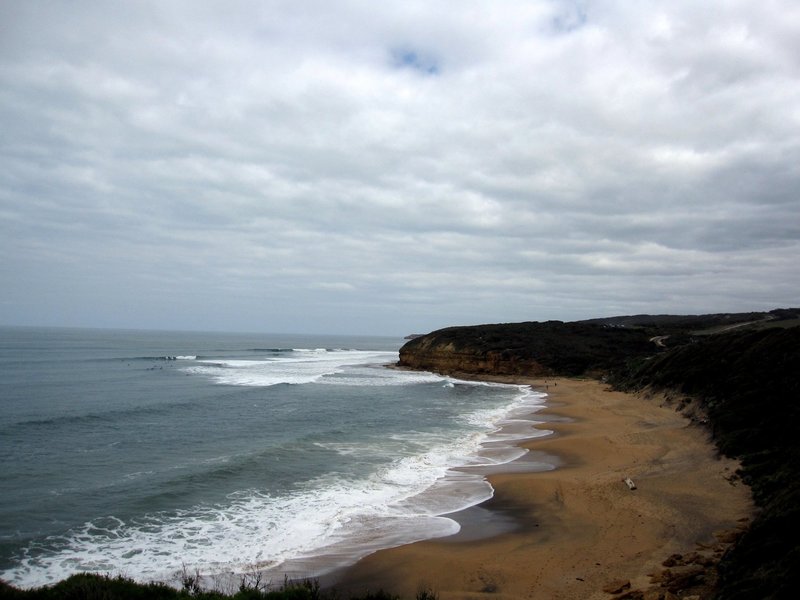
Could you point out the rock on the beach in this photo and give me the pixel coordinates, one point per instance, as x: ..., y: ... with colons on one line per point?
x: 616, y: 586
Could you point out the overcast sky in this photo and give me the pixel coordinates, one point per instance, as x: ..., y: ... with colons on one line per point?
x: 395, y: 167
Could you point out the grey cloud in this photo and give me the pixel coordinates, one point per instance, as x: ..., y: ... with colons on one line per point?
x: 410, y: 166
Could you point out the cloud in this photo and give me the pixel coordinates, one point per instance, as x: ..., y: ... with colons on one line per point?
x: 409, y: 166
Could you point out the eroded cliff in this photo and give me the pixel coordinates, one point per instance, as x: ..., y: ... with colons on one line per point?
x: 742, y: 369
x: 531, y: 349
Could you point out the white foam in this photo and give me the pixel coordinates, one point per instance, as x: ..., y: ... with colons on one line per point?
x: 378, y: 375
x: 298, y: 367
x: 321, y: 524
x: 340, y: 518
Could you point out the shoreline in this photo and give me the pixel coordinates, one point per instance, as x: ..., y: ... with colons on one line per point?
x: 572, y: 531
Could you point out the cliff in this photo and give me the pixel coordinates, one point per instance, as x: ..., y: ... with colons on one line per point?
x: 743, y: 370
x: 597, y: 346
x: 531, y: 349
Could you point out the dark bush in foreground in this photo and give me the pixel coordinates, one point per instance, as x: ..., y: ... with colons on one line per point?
x: 89, y: 586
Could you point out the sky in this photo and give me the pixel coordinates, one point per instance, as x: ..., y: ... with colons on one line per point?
x: 395, y: 167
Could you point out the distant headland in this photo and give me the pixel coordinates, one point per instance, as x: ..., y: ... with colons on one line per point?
x: 595, y: 347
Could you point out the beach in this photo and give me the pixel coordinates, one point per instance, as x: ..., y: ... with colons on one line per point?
x: 577, y: 530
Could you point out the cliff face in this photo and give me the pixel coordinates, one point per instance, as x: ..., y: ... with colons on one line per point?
x: 444, y: 357
x: 531, y: 349
x: 582, y: 347
x: 743, y: 369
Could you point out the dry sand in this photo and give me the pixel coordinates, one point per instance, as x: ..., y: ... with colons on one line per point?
x: 579, y: 527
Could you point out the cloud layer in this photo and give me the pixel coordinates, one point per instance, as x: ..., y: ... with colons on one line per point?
x: 344, y: 167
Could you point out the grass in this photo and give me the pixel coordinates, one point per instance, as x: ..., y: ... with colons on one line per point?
x: 93, y: 586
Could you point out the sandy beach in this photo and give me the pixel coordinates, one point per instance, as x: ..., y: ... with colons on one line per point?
x: 570, y: 532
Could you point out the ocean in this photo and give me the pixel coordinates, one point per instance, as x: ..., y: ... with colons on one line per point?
x: 147, y: 453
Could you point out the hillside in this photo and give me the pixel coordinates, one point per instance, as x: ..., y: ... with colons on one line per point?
x: 748, y: 384
x: 594, y: 347
x: 742, y: 369
x: 538, y: 349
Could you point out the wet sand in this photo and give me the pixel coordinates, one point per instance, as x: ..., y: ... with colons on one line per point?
x: 568, y: 532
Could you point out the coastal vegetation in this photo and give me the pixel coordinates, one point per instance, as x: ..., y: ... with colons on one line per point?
x: 737, y: 374
x: 537, y: 349
x: 747, y: 383
x: 596, y: 347
x: 93, y: 586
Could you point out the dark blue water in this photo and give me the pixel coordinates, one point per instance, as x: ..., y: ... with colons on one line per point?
x: 141, y: 452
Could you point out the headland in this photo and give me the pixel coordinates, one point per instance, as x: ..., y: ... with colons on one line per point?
x: 699, y: 411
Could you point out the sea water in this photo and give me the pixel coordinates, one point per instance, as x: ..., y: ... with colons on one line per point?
x: 150, y: 453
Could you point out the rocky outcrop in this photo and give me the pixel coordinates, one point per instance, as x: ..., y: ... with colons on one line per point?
x: 526, y: 349
x: 597, y: 346
x: 446, y: 358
